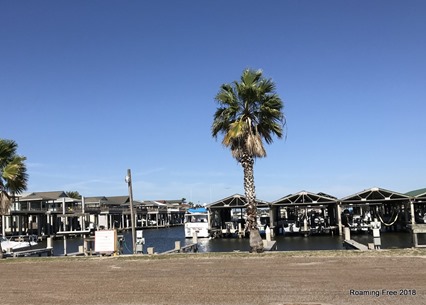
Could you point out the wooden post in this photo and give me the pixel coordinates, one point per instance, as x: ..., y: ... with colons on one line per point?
x: 413, y: 218
x: 415, y: 240
x: 208, y: 219
x: 65, y: 245
x: 195, y: 237
x: 177, y: 245
x: 272, y: 219
x: 63, y: 212
x: 413, y: 222
x: 3, y: 225
x: 268, y: 233
x: 376, y: 238
x: 20, y: 224
x: 347, y: 231
x: 339, y: 218
x: 150, y: 250
x: 48, y: 224
x: 49, y: 242
x: 305, y: 222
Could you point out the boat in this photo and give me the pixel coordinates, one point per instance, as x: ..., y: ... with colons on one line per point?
x: 290, y: 227
x: 22, y: 242
x: 196, y: 221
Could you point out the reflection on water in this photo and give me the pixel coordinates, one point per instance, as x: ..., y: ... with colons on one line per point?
x: 319, y: 242
x: 390, y: 240
x: 164, y: 240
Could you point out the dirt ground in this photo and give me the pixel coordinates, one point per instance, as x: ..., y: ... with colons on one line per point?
x: 339, y: 277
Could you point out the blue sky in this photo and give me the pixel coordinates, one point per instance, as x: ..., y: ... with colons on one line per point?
x: 89, y: 89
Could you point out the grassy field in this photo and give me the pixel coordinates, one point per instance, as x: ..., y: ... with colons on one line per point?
x: 276, y: 278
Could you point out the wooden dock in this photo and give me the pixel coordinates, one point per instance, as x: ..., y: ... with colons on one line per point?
x: 33, y: 252
x: 350, y: 243
x: 270, y: 245
x: 185, y: 249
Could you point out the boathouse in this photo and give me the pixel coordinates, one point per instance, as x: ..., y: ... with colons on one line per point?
x: 306, y: 213
x: 391, y: 208
x: 418, y: 214
x: 227, y: 215
x: 418, y: 199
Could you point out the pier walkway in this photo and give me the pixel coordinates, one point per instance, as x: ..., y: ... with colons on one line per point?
x: 274, y: 278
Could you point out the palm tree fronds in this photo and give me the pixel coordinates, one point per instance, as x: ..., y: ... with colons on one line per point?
x: 250, y: 112
x: 13, y: 173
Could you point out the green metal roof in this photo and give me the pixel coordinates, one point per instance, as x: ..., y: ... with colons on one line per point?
x: 416, y: 193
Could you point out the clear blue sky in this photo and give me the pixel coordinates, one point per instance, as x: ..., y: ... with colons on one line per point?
x: 89, y: 89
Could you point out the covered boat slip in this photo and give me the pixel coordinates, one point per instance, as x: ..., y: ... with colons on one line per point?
x: 227, y: 216
x: 391, y: 209
x: 305, y: 213
x: 308, y: 213
x: 418, y: 209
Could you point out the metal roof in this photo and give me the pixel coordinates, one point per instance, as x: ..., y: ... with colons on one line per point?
x: 305, y: 198
x: 38, y: 196
x: 420, y: 193
x: 97, y: 199
x: 375, y: 195
x: 235, y: 201
x: 117, y: 200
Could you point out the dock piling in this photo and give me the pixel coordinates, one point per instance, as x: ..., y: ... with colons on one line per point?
x: 268, y: 234
x: 177, y: 245
x: 49, y: 242
x: 347, y: 233
x: 65, y: 245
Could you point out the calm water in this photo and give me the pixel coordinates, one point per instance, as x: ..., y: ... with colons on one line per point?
x: 164, y: 239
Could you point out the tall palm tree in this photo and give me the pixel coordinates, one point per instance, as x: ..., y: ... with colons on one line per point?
x: 13, y: 176
x: 249, y: 112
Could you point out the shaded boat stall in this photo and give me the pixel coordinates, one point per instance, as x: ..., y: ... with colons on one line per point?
x: 418, y: 199
x: 418, y: 214
x: 360, y: 210
x: 305, y: 213
x: 227, y: 216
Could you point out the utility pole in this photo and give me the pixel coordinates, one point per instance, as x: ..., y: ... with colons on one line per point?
x: 132, y: 215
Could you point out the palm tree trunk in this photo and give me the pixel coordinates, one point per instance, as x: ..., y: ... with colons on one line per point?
x: 256, y: 243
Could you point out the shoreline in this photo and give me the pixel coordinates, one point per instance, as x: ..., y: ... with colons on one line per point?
x: 406, y: 252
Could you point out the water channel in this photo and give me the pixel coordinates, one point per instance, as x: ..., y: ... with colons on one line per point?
x: 164, y: 239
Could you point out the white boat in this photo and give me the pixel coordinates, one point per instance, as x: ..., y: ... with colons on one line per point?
x: 291, y: 227
x: 8, y: 245
x: 196, y: 221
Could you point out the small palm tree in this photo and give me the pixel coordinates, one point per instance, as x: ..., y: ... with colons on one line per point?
x: 249, y: 113
x: 13, y: 176
x: 73, y: 194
